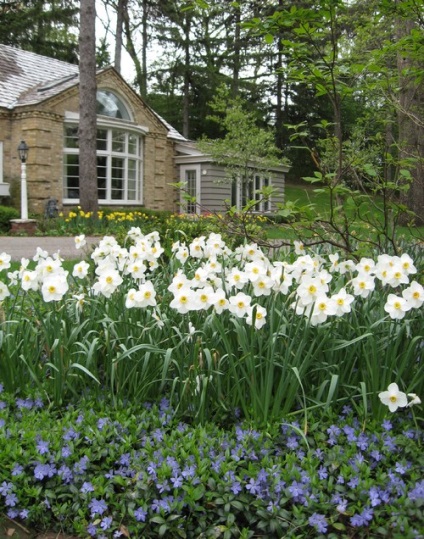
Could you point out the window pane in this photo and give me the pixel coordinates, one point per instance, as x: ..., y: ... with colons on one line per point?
x: 132, y: 179
x: 191, y: 190
x: 132, y: 194
x: 71, y: 184
x: 102, y: 139
x: 133, y: 144
x: 117, y: 178
x: 118, y: 141
x: 71, y: 137
x: 109, y: 104
x: 234, y: 192
x: 257, y: 187
x: 102, y: 177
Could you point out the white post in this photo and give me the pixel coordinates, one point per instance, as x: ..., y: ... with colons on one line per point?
x: 24, y: 197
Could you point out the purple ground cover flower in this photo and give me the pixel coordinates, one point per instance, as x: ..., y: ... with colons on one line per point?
x: 417, y: 493
x: 363, y: 518
x: 65, y: 473
x: 17, y: 469
x: 177, y: 481
x: 387, y: 424
x: 106, y: 523
x: 87, y: 487
x: 253, y: 487
x: 12, y: 513
x: 140, y: 515
x: 102, y: 422
x: 66, y: 451
x: 5, y: 488
x: 292, y: 442
x: 42, y: 447
x: 319, y: 522
x: 97, y: 507
x: 44, y: 470
x: 70, y: 434
x: 11, y: 499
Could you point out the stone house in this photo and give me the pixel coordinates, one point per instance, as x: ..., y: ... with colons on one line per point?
x: 139, y: 155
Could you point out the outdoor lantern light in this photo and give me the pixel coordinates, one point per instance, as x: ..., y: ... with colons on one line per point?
x: 23, y: 151
x: 23, y: 156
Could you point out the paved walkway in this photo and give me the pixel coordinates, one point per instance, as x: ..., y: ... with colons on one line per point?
x: 26, y: 246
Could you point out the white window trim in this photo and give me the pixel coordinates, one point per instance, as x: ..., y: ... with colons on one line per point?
x: 106, y: 121
x: 183, y: 170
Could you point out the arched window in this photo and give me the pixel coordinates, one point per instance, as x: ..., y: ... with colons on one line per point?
x: 119, y: 155
x: 109, y: 104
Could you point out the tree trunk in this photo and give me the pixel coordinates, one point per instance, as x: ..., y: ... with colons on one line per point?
x: 186, y: 94
x: 120, y: 10
x: 411, y: 125
x: 130, y: 46
x: 87, y: 108
x: 236, y: 52
x: 144, y: 27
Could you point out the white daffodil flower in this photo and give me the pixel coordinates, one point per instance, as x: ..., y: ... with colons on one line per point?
x: 393, y: 398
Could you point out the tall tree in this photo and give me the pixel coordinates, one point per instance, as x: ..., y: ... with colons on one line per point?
x: 87, y: 108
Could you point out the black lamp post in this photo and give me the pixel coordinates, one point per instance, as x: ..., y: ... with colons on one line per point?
x: 23, y: 156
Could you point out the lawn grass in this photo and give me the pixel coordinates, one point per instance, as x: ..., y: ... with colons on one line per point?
x: 304, y: 195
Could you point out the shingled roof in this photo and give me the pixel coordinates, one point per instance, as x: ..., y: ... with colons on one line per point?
x: 27, y: 78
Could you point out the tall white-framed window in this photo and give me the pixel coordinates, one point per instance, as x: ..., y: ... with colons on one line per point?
x: 1, y: 161
x: 4, y: 187
x: 243, y: 191
x: 119, y: 154
x: 119, y: 165
x: 190, y: 193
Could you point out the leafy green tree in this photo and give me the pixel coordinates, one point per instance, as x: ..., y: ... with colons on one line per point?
x: 47, y: 28
x: 245, y: 149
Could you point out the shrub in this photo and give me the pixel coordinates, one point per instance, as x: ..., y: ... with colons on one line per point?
x: 6, y: 214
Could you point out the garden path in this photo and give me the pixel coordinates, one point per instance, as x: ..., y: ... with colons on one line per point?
x: 26, y: 246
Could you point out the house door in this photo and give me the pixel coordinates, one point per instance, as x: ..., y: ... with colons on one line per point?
x: 190, y: 192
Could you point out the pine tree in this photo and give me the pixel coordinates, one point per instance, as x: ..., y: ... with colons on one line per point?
x: 47, y: 28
